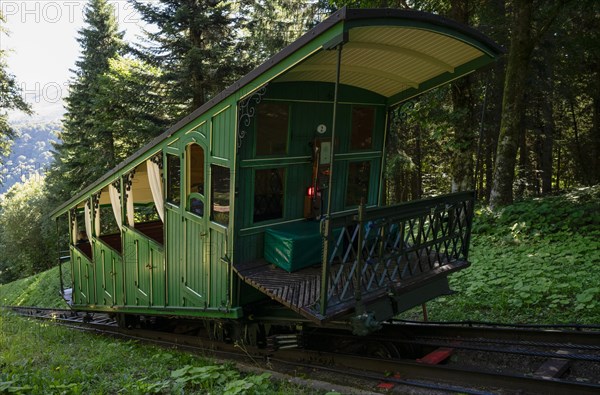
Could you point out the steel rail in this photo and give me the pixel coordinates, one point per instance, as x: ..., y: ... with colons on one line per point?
x: 544, y: 334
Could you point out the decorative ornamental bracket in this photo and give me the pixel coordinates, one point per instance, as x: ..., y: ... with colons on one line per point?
x: 247, y: 111
x: 128, y: 179
x: 117, y: 185
x: 96, y: 200
x: 405, y: 108
x: 158, y: 160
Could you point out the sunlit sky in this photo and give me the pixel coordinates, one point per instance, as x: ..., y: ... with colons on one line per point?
x: 42, y: 48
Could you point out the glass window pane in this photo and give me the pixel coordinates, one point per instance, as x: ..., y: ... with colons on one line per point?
x: 196, y: 206
x: 358, y: 183
x: 363, y: 123
x: 195, y: 179
x: 272, y: 129
x: 220, y: 194
x: 268, y: 194
x: 196, y: 169
x: 173, y: 180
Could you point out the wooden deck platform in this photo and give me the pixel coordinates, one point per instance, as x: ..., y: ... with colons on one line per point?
x: 296, y: 290
x: 301, y: 290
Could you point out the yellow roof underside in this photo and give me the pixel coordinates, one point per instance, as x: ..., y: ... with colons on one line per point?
x: 387, y: 60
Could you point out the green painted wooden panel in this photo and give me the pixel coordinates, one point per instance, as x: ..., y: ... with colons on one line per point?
x: 196, y: 268
x: 137, y: 273
x: 144, y: 270
x: 158, y: 272
x: 130, y: 256
x: 83, y: 294
x: 249, y: 247
x: 108, y: 265
x: 322, y: 92
x: 174, y: 245
x: 219, y: 270
x: 310, y: 105
x: 223, y: 134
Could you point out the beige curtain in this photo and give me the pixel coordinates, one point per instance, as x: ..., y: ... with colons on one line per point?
x: 88, y: 220
x: 115, y: 202
x: 156, y: 187
x: 74, y: 229
x: 130, y: 209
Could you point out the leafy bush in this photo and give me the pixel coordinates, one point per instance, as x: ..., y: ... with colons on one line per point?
x: 535, y: 261
x: 27, y: 235
x: 42, y: 358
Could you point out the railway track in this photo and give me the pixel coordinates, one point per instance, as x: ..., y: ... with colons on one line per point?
x: 473, y: 359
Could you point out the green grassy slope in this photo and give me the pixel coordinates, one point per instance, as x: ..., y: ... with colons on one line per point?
x: 40, y: 358
x: 536, y: 261
x: 42, y: 290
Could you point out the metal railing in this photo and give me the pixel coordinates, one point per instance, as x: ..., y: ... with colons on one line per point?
x: 377, y: 250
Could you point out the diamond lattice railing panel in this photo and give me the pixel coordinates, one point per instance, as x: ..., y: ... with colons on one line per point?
x: 388, y: 246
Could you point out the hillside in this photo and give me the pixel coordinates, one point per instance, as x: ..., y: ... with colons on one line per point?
x: 30, y: 152
x: 41, y: 290
x: 533, y: 262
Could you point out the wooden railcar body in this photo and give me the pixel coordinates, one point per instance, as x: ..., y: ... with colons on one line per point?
x: 302, y: 135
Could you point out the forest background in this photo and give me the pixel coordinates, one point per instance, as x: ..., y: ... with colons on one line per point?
x: 528, y: 126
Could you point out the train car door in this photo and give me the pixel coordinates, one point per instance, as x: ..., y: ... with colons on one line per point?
x: 195, y: 227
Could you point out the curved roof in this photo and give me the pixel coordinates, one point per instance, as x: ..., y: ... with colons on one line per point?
x: 395, y: 53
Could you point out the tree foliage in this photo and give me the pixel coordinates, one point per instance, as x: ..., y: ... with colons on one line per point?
x: 194, y: 43
x: 272, y: 25
x: 130, y: 104
x: 26, y: 232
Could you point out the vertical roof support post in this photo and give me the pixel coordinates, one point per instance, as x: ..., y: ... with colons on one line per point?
x: 327, y: 230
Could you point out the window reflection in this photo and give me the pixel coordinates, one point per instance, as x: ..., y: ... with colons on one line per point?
x: 220, y: 194
x: 268, y: 194
x: 196, y: 169
x: 358, y: 183
x: 272, y: 129
x: 363, y: 123
x: 173, y: 179
x: 195, y: 179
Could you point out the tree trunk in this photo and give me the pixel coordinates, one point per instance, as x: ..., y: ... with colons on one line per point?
x: 547, y: 146
x: 523, y: 170
x: 596, y: 136
x: 580, y: 155
x: 417, y: 177
x: 462, y: 102
x: 513, y: 104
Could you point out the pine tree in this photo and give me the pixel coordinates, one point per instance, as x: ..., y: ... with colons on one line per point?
x: 274, y: 24
x: 87, y: 149
x: 195, y: 44
x: 130, y: 104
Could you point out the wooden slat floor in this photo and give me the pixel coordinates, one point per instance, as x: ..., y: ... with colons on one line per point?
x: 296, y: 290
x: 300, y: 290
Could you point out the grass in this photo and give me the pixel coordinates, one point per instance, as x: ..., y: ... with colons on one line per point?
x: 42, y: 290
x: 536, y: 261
x: 43, y: 358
